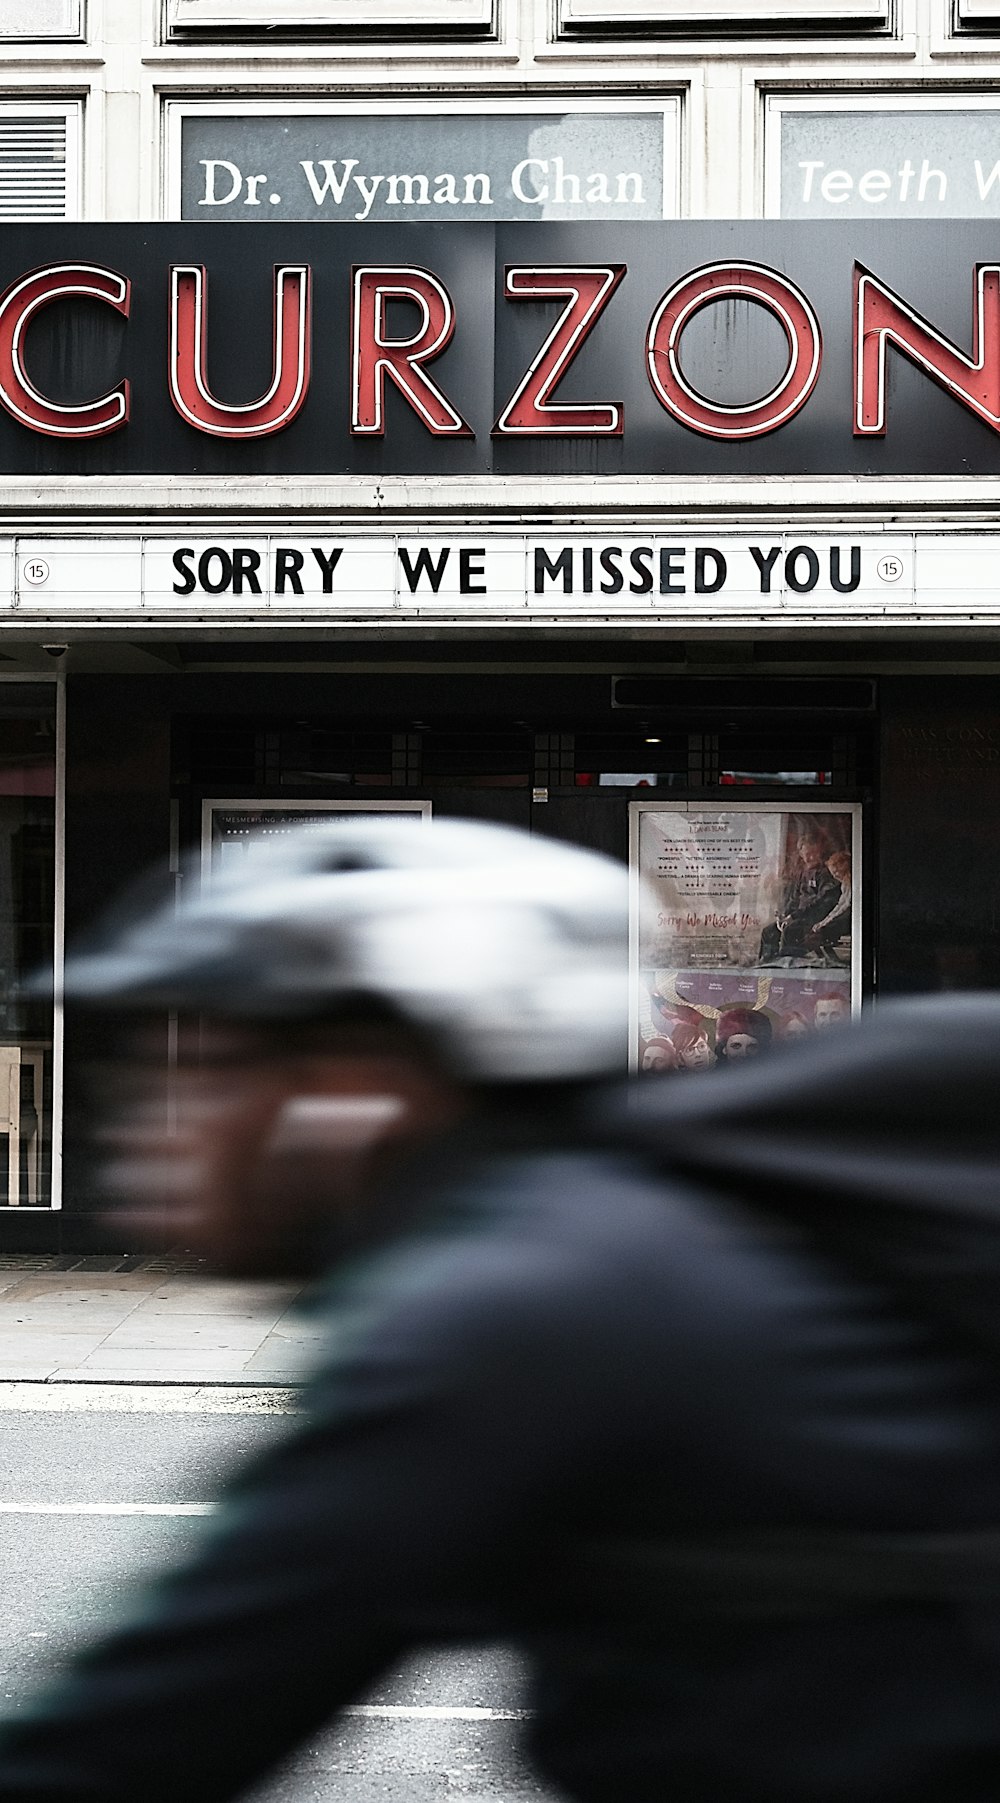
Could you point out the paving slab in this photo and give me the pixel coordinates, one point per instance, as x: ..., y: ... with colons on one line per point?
x: 156, y: 1367
x: 132, y: 1284
x: 151, y: 1322
x: 206, y: 1302
x: 55, y: 1319
x: 199, y: 1333
x: 44, y: 1344
x: 9, y: 1281
x: 290, y: 1357
x: 33, y: 1371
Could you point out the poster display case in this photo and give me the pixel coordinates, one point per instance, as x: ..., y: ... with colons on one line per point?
x: 229, y: 826
x: 745, y: 928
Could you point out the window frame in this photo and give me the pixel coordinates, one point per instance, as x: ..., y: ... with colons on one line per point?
x: 692, y: 18
x: 327, y: 18
x: 177, y: 110
x: 976, y: 16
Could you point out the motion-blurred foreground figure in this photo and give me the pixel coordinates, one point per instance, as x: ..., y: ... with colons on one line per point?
x: 690, y: 1393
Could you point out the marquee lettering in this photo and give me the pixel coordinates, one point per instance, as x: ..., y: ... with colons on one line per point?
x: 18, y: 307
x: 881, y: 319
x: 530, y: 411
x: 739, y: 281
x: 375, y: 355
x: 188, y: 356
x: 402, y: 319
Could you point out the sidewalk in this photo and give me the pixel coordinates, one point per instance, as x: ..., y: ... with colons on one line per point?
x: 146, y: 1321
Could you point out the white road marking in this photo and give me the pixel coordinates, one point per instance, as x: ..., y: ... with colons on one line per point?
x: 106, y: 1508
x: 436, y: 1713
x: 148, y: 1399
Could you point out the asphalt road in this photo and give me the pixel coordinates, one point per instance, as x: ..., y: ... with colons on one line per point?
x: 66, y: 1573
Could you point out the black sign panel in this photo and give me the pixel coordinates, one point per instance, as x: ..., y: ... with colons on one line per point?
x: 733, y: 350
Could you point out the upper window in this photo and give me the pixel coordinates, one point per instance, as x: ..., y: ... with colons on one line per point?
x: 388, y: 17
x: 389, y: 160
x: 39, y: 159
x: 978, y: 15
x: 34, y: 20
x: 879, y: 155
x: 692, y: 16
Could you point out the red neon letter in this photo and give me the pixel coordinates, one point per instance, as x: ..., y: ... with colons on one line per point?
x: 374, y: 356
x: 18, y: 306
x: 740, y: 281
x: 188, y: 362
x: 529, y: 410
x: 880, y: 317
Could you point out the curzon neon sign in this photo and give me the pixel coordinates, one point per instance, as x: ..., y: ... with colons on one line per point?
x: 18, y: 306
x: 881, y: 319
x: 531, y: 410
x: 734, y: 281
x: 188, y: 356
x: 404, y: 343
x: 378, y: 356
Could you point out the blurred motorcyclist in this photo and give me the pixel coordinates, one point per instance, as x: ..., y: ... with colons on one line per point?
x: 690, y: 1393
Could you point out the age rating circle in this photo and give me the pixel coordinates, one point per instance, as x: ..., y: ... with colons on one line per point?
x: 35, y: 571
x: 889, y: 569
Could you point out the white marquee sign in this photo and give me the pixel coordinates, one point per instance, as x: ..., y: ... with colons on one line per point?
x: 771, y: 578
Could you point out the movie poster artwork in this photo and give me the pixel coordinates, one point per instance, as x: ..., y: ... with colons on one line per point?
x: 747, y: 937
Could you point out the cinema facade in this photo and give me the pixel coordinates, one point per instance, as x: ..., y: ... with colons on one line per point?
x: 678, y: 540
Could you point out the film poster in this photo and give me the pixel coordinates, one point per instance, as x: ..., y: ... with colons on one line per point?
x: 745, y: 938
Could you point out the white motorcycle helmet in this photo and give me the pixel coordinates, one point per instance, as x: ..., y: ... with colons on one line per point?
x: 508, y: 951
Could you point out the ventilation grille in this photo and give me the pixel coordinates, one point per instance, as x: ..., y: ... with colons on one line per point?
x: 34, y: 167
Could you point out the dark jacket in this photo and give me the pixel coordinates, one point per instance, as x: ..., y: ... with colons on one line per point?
x: 762, y: 1304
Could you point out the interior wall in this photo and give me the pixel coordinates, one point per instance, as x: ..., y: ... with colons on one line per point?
x: 117, y: 827
x: 939, y: 839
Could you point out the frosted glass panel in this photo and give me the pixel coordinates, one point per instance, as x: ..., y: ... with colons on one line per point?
x: 385, y: 15
x: 748, y: 15
x: 34, y: 19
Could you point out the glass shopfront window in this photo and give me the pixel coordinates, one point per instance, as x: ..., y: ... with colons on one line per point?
x: 27, y: 940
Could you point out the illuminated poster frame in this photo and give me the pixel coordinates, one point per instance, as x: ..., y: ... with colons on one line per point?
x: 284, y: 816
x: 741, y: 934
